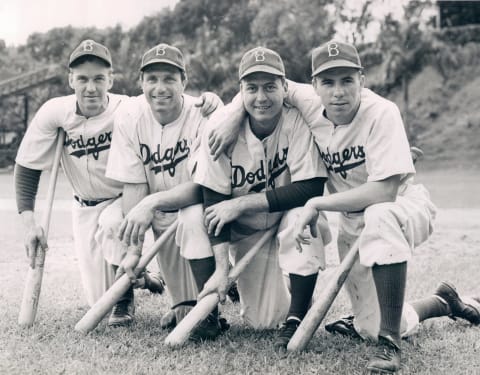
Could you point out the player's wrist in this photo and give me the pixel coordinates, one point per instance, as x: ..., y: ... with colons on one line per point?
x: 28, y: 218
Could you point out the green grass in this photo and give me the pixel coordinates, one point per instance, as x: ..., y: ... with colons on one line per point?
x: 52, y: 346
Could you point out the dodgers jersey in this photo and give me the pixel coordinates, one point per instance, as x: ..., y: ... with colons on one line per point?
x: 145, y: 151
x: 85, y: 152
x: 372, y: 147
x: 287, y: 155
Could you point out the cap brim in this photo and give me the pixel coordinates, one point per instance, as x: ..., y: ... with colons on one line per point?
x: 336, y: 64
x: 162, y: 61
x: 263, y: 69
x: 90, y: 54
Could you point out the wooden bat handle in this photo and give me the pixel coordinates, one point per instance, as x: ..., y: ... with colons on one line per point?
x: 206, y: 305
x: 319, y: 309
x: 33, y: 283
x: 103, y: 306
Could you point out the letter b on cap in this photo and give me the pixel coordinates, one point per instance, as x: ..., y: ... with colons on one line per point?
x: 260, y: 55
x: 332, y: 49
x: 160, y: 51
x: 88, y: 46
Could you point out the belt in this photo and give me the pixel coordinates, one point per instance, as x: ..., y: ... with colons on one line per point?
x: 90, y: 203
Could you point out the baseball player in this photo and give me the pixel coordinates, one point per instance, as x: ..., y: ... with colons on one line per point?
x: 87, y: 118
x: 155, y: 135
x: 363, y: 144
x: 273, y: 167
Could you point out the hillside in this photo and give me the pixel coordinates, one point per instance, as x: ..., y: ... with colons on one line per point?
x: 446, y: 117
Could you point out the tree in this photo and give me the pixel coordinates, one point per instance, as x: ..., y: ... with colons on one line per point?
x: 408, y: 48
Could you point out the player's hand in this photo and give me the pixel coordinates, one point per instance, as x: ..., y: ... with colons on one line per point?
x: 129, y: 264
x: 34, y: 240
x: 307, y: 219
x: 219, y: 214
x: 135, y: 224
x: 209, y: 102
x: 217, y: 283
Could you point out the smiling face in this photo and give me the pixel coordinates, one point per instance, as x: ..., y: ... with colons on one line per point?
x: 340, y: 90
x: 163, y: 86
x: 263, y: 96
x: 91, y: 81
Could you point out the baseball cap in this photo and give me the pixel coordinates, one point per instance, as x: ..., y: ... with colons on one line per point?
x: 334, y: 54
x: 261, y: 59
x: 90, y: 47
x: 163, y: 53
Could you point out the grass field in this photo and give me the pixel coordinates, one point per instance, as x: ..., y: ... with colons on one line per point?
x: 52, y: 346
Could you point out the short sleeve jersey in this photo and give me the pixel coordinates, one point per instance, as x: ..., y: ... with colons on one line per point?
x: 372, y: 147
x: 145, y: 151
x: 85, y: 152
x: 287, y: 155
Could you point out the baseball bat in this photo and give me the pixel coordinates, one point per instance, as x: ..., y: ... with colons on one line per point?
x: 33, y: 283
x: 319, y: 309
x: 106, y: 302
x: 206, y: 305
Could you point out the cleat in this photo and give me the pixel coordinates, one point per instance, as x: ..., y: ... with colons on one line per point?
x: 233, y: 293
x: 122, y: 314
x: 168, y: 320
x: 458, y: 308
x: 209, y: 329
x: 387, y: 360
x: 152, y: 281
x: 343, y: 326
x: 286, y: 332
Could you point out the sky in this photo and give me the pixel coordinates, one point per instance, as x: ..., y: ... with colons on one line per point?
x: 20, y: 18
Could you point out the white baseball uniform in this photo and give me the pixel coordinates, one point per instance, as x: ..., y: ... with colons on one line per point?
x: 372, y: 147
x: 84, y: 160
x: 144, y: 151
x: 287, y: 155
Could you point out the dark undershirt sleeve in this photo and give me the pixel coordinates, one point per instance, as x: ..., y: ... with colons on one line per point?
x: 294, y: 195
x: 210, y: 197
x: 26, y: 187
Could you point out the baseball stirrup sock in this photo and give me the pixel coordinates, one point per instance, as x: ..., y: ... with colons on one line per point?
x: 302, y: 290
x: 390, y: 281
x: 202, y: 269
x: 430, y: 307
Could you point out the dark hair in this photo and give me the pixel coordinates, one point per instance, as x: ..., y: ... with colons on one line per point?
x: 151, y: 67
x: 88, y: 58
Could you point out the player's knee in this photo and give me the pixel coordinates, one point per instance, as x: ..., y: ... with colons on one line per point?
x: 191, y: 235
x: 193, y: 215
x: 379, y: 214
x: 110, y: 218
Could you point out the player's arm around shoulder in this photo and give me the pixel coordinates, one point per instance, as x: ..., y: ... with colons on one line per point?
x: 224, y: 133
x: 208, y: 102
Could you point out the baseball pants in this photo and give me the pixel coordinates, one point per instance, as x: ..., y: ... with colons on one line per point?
x: 175, y: 269
x: 96, y: 274
x: 388, y: 233
x: 264, y: 295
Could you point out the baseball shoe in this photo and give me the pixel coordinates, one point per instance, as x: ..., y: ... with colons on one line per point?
x: 387, y: 359
x: 233, y: 293
x: 154, y: 282
x: 122, y: 314
x: 286, y: 332
x: 209, y: 329
x: 458, y: 308
x: 343, y: 326
x: 168, y: 320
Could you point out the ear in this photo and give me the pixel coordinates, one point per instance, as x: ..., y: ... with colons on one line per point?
x: 285, y: 88
x: 362, y: 80
x: 110, y: 78
x: 314, y: 83
x: 70, y: 80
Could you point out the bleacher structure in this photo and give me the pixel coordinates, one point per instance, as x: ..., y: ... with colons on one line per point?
x: 20, y: 87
